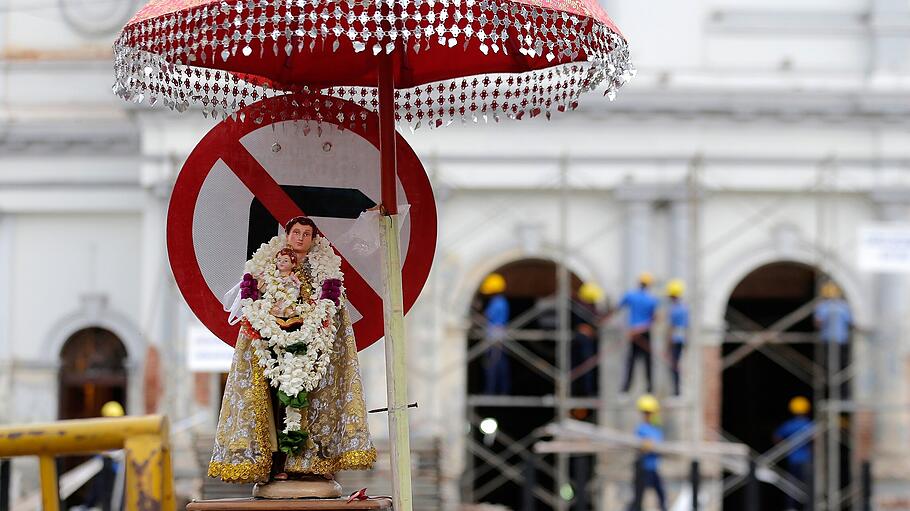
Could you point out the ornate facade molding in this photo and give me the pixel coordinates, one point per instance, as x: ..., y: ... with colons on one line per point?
x: 69, y: 138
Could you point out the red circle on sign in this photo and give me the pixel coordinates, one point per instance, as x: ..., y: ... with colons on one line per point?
x: 221, y: 143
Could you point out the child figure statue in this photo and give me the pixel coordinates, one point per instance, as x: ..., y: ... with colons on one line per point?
x: 283, y: 309
x: 293, y: 404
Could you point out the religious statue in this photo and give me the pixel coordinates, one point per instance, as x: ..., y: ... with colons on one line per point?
x: 293, y: 403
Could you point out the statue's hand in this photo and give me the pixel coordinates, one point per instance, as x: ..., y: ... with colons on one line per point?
x: 249, y: 288
x: 331, y: 290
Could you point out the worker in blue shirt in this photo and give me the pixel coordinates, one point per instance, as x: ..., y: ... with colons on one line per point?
x: 642, y: 306
x: 497, y: 370
x: 799, y: 461
x: 834, y: 321
x: 679, y: 327
x: 648, y: 462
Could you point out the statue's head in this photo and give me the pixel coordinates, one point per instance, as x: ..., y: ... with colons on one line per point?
x: 301, y: 231
x: 286, y: 259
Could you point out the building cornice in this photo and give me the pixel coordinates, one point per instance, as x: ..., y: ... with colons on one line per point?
x: 69, y: 138
x: 891, y: 196
x: 857, y: 108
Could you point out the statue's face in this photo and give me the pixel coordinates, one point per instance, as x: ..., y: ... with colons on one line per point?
x: 284, y: 263
x: 300, y: 239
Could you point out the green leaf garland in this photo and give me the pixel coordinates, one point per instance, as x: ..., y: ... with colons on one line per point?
x: 292, y: 443
x: 298, y: 401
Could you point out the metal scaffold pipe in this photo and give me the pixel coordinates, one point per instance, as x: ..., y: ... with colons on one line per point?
x: 564, y: 338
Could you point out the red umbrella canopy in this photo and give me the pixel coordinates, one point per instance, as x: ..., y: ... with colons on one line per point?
x: 454, y: 59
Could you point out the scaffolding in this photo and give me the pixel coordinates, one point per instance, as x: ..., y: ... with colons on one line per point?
x: 518, y: 461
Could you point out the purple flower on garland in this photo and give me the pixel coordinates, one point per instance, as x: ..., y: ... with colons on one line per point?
x: 248, y: 288
x: 331, y: 290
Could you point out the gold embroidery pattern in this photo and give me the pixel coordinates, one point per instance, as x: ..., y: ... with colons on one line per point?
x: 351, y: 460
x: 243, y: 451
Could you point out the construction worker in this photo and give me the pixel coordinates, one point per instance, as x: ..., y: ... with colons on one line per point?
x: 679, y: 326
x: 497, y: 370
x: 584, y: 348
x: 101, y: 489
x: 642, y: 306
x: 648, y: 461
x: 834, y: 320
x: 584, y: 339
x: 799, y: 460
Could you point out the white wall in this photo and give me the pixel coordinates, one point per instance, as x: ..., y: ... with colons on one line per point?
x: 58, y: 259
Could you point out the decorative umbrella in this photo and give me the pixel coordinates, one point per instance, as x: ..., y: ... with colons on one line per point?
x: 418, y: 62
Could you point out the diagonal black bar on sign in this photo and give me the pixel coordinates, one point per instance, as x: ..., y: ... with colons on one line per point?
x: 314, y: 201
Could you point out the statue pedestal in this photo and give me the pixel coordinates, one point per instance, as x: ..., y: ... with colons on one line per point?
x: 252, y: 504
x: 307, y: 488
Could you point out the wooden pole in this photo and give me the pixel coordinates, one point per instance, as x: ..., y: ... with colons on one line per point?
x: 393, y: 301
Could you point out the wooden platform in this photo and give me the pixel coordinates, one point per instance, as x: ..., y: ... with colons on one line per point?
x: 251, y: 504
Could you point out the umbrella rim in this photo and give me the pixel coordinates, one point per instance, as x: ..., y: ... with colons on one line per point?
x: 537, y: 68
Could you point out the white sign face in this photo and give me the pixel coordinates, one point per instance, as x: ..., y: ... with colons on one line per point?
x: 205, y: 352
x: 884, y: 248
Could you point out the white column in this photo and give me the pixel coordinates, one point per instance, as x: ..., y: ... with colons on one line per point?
x: 7, y: 356
x: 159, y: 297
x: 680, y: 264
x: 639, y: 201
x: 165, y: 145
x: 177, y: 391
x: 893, y: 440
x: 890, y: 43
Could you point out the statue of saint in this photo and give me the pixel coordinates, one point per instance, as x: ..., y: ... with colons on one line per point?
x: 293, y: 403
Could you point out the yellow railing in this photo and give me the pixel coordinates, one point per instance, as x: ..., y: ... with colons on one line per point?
x: 149, y: 477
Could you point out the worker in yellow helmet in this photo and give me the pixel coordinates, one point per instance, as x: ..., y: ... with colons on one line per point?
x: 648, y: 462
x: 112, y: 409
x: 497, y: 370
x: 834, y: 321
x: 584, y: 339
x: 678, y: 317
x: 493, y: 284
x: 584, y: 352
x: 799, y: 459
x: 642, y: 307
x: 590, y: 293
x: 101, y: 486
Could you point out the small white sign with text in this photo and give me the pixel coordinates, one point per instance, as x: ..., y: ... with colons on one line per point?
x: 206, y: 353
x: 884, y: 247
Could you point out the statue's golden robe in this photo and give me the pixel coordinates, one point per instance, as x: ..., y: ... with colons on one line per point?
x: 336, y: 418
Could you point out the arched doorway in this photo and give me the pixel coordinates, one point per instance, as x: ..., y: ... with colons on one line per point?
x: 773, y: 304
x: 92, y: 372
x: 500, y: 465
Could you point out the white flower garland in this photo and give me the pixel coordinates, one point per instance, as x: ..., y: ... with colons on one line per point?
x: 288, y: 372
